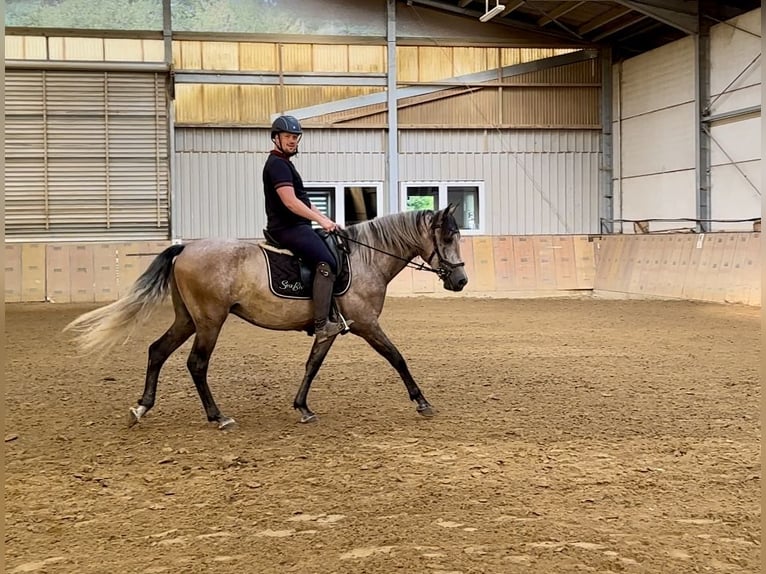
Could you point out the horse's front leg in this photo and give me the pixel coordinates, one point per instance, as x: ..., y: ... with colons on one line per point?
x: 316, y: 358
x: 378, y: 340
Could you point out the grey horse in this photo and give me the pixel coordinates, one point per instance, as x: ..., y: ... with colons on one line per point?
x: 209, y: 278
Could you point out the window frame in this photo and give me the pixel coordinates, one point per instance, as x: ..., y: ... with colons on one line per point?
x: 340, y: 191
x: 442, y: 187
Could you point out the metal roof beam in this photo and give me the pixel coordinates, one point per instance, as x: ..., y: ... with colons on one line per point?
x: 602, y: 20
x: 511, y: 6
x: 546, y: 35
x: 468, y: 79
x: 671, y: 12
x: 619, y: 26
x: 559, y: 11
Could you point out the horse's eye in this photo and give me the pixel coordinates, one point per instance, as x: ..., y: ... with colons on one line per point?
x: 449, y: 237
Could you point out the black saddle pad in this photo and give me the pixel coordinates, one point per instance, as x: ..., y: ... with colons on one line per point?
x: 285, y: 277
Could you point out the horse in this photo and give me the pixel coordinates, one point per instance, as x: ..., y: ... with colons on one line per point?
x: 208, y: 279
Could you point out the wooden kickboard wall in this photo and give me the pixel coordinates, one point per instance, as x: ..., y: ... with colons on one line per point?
x: 719, y: 267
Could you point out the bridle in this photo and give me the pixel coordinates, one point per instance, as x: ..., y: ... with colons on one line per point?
x: 444, y: 270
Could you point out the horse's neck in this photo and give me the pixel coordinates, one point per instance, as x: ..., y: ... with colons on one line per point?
x: 389, y: 266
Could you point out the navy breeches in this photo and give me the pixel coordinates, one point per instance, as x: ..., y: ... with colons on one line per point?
x: 306, y: 244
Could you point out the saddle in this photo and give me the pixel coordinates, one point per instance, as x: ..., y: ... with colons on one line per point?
x: 290, y: 277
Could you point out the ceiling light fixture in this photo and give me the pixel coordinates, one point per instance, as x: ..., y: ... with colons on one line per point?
x: 489, y: 14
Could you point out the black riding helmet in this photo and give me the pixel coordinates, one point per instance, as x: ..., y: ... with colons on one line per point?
x: 286, y: 124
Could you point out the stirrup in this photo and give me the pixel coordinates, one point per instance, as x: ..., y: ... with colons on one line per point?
x: 346, y: 325
x: 330, y: 329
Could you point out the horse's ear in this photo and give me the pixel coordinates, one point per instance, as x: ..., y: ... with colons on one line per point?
x: 451, y: 208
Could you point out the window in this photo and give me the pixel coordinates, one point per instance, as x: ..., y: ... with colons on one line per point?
x: 346, y: 203
x: 467, y: 196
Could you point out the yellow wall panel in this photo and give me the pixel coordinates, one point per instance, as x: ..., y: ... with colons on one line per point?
x: 564, y: 262
x: 584, y: 262
x: 82, y: 273
x: 504, y: 263
x: 258, y: 56
x: 509, y: 57
x: 545, y: 271
x: 58, y: 273
x: 466, y: 251
x: 220, y: 56
x: 370, y: 59
x: 154, y: 50
x: 91, y: 49
x: 525, y: 263
x: 469, y: 60
x: 56, y: 48
x: 187, y: 55
x: 329, y: 58
x: 407, y: 64
x: 104, y: 272
x: 484, y: 267
x: 14, y: 48
x: 33, y: 286
x: 256, y: 104
x: 123, y: 50
x: 435, y: 63
x: 297, y: 57
x: 13, y: 273
x: 189, y: 104
x: 220, y: 103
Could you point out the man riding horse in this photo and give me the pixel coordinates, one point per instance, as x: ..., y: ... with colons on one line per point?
x: 289, y: 213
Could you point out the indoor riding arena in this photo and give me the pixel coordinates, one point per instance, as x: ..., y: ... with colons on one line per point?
x: 596, y: 383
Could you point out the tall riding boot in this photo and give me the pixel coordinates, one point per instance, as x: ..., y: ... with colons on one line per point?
x: 324, y: 279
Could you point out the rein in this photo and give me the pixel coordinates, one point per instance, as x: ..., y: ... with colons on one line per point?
x: 443, y: 271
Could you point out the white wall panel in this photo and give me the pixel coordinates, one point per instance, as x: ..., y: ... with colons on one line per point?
x: 655, y: 127
x: 658, y: 141
x: 733, y: 196
x: 663, y: 196
x: 658, y: 79
x: 731, y: 51
x: 740, y: 139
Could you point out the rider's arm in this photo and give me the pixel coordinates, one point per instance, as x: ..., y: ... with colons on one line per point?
x: 287, y: 195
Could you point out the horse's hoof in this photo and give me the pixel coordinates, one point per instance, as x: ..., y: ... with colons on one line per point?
x: 135, y: 414
x: 312, y: 418
x: 427, y: 412
x: 226, y: 423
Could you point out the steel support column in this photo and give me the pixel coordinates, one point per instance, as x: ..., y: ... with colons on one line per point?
x: 702, y: 136
x: 606, y: 179
x: 392, y: 157
x: 173, y: 194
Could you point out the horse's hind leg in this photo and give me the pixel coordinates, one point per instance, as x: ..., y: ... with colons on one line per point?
x: 378, y: 340
x: 199, y: 359
x: 159, y: 351
x: 315, y: 360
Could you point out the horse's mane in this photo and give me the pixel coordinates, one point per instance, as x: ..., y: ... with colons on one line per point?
x: 395, y: 233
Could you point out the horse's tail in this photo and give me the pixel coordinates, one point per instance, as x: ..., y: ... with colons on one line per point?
x: 101, y: 329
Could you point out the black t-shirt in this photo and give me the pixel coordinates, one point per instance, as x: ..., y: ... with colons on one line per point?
x: 279, y: 171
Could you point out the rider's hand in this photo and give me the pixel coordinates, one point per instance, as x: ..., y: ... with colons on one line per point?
x: 329, y: 225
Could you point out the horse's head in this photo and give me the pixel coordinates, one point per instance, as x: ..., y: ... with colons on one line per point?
x: 445, y: 249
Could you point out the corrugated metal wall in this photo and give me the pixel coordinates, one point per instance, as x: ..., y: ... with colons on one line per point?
x: 218, y: 189
x: 736, y: 146
x: 85, y: 155
x: 536, y: 182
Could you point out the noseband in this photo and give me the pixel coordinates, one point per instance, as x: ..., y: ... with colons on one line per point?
x: 445, y: 268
